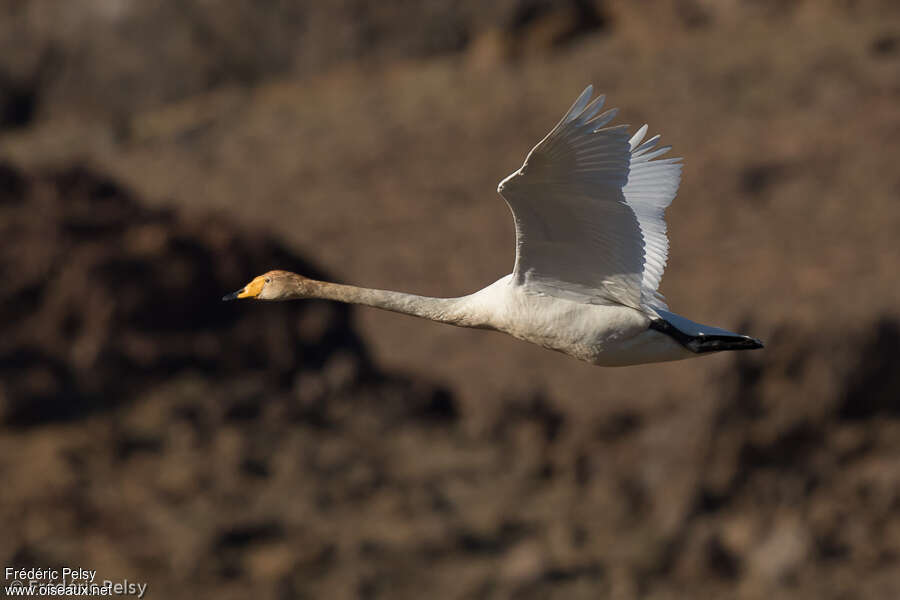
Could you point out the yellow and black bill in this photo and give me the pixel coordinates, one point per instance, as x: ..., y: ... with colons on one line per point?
x: 251, y: 290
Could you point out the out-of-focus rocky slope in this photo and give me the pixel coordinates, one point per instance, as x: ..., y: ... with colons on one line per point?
x: 151, y: 432
x: 105, y: 298
x: 384, y: 171
x: 154, y: 433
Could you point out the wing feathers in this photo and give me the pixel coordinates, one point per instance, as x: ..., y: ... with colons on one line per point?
x: 649, y: 144
x: 637, y: 137
x: 579, y: 105
x: 603, y: 119
x: 651, y: 155
x: 588, y: 205
x: 593, y: 108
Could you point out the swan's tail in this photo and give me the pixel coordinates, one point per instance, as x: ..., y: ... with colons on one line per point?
x: 701, y: 338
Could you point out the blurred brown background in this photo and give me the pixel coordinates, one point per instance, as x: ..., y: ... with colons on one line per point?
x: 155, y: 155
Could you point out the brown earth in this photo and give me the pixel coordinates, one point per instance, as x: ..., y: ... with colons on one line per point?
x: 307, y: 450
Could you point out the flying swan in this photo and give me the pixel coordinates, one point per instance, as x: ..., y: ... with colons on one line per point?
x: 591, y: 248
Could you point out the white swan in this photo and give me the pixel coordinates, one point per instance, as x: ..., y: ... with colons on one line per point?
x: 591, y: 248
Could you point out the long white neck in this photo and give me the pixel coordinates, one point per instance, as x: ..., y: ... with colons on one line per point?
x: 455, y: 311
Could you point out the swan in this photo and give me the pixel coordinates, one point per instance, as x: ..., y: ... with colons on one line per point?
x: 591, y: 246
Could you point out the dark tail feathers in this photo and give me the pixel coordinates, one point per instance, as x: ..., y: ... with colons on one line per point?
x: 701, y: 338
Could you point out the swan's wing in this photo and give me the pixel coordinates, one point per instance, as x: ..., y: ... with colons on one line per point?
x: 588, y: 205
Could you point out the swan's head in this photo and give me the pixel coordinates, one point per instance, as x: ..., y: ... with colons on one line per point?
x: 274, y: 285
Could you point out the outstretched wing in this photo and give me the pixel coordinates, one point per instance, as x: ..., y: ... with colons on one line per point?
x: 588, y: 205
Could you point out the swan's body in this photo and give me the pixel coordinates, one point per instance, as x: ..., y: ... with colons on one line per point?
x: 591, y: 248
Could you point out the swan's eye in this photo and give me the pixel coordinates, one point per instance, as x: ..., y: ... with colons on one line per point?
x: 268, y: 279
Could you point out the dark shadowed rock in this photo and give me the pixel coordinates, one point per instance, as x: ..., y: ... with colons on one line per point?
x: 105, y: 298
